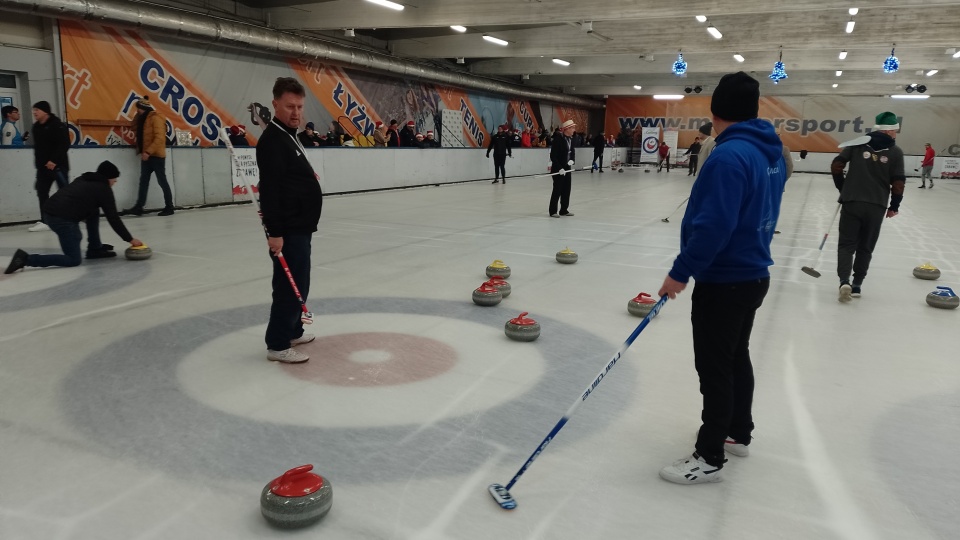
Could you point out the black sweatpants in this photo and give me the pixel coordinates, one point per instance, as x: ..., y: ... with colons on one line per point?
x: 722, y: 317
x: 561, y: 193
x: 693, y: 164
x: 285, y: 324
x: 499, y: 169
x: 598, y: 157
x: 859, y: 231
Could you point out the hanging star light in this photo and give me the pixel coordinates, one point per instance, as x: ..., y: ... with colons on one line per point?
x: 779, y: 70
x: 892, y: 63
x: 679, y: 67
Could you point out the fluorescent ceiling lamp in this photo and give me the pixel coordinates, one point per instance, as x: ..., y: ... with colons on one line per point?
x: 854, y: 11
x: 714, y: 32
x: 668, y: 96
x: 909, y: 96
x: 637, y: 87
x: 561, y: 62
x: 956, y: 54
x: 738, y: 57
x: 701, y: 18
x: 387, y: 4
x: 835, y: 85
x: 839, y: 72
x: 492, y: 39
x: 843, y: 55
x: 459, y: 28
x: 932, y: 72
x: 850, y: 26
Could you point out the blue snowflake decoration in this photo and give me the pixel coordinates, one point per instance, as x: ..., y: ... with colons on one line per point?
x: 779, y: 73
x: 891, y: 64
x: 679, y: 67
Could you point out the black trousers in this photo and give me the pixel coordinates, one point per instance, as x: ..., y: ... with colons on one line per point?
x: 285, y: 324
x: 693, y: 164
x: 665, y: 159
x: 499, y: 169
x: 561, y: 193
x: 722, y: 317
x: 859, y: 231
x: 598, y: 156
x: 156, y: 165
x: 45, y: 180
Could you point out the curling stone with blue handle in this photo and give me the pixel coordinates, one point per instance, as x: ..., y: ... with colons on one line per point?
x: 943, y: 298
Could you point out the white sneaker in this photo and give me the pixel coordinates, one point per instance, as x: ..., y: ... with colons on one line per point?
x: 846, y: 293
x: 288, y: 356
x: 733, y: 447
x: 40, y: 226
x: 691, y: 470
x: 306, y: 338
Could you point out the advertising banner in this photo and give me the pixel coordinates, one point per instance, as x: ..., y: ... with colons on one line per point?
x: 245, y: 165
x: 671, y: 136
x: 950, y: 167
x: 649, y: 143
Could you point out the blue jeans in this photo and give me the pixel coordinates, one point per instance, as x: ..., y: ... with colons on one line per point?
x: 69, y: 234
x: 154, y: 165
x: 285, y: 324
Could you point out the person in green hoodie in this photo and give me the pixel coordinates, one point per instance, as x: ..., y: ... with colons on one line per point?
x: 81, y: 200
x: 725, y: 246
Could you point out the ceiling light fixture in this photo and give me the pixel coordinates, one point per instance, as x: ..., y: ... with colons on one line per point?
x: 637, y: 87
x: 460, y: 60
x: 498, y: 41
x: 843, y: 55
x: 459, y: 28
x: 714, y: 32
x: 668, y: 96
x: 853, y: 11
x: 839, y: 72
x: 850, y: 25
x: 835, y: 85
x: 909, y: 96
x: 932, y: 72
x: 387, y: 4
x: 956, y: 54
x: 701, y: 18
x: 560, y: 62
x: 738, y: 57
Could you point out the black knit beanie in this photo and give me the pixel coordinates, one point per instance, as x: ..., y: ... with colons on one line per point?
x: 736, y: 98
x: 707, y: 129
x: 42, y: 106
x: 108, y: 170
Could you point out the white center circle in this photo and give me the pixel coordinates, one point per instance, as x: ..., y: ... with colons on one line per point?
x: 231, y: 374
x: 370, y: 356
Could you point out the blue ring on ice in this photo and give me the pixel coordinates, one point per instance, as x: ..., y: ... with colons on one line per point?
x: 134, y: 407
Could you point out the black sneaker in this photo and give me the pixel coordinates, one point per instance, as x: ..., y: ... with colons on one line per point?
x: 135, y: 210
x: 496, y: 181
x: 922, y: 187
x: 18, y: 261
x: 855, y: 291
x: 168, y: 211
x: 103, y: 247
x: 566, y: 214
x: 101, y: 254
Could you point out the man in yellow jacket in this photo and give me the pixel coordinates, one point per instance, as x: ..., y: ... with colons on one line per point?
x: 151, y: 146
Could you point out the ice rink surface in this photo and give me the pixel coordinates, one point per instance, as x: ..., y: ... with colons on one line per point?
x: 136, y: 401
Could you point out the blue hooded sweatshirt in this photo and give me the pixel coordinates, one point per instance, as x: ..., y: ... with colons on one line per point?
x: 734, y: 205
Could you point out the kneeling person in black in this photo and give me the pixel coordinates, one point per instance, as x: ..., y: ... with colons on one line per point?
x: 81, y: 200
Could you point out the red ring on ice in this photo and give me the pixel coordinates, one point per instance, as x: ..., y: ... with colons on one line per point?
x: 411, y: 359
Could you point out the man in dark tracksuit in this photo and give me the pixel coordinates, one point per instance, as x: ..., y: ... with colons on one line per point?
x: 500, y: 145
x: 562, y: 155
x: 82, y: 200
x: 874, y: 180
x: 694, y: 153
x: 291, y: 201
x: 51, y: 140
x: 598, y: 145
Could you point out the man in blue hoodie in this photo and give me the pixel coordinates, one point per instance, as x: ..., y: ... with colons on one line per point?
x: 872, y: 189
x: 725, y: 246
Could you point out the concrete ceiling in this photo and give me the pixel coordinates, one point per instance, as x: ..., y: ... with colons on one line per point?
x: 636, y: 42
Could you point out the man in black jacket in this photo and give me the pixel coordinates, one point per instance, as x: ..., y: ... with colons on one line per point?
x: 81, y: 200
x: 598, y: 145
x: 50, y: 143
x: 561, y: 158
x: 290, y: 201
x: 408, y: 137
x: 694, y: 153
x: 500, y: 145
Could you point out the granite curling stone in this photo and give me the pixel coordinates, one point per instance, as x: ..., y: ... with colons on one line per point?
x: 567, y: 257
x: 498, y: 268
x: 641, y: 305
x: 501, y: 285
x: 486, y: 295
x: 522, y: 328
x: 297, y: 499
x: 926, y: 271
x: 139, y: 253
x: 943, y: 298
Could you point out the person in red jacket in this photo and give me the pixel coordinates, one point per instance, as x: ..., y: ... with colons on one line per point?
x: 664, y: 151
x: 525, y: 139
x: 926, y: 166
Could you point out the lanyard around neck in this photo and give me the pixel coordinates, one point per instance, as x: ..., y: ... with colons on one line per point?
x: 295, y: 140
